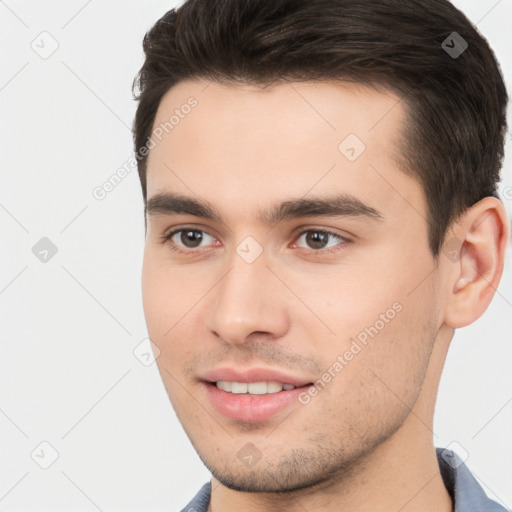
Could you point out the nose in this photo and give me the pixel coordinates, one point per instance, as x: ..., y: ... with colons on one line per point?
x: 249, y: 300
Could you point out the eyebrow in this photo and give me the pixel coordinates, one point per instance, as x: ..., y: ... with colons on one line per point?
x: 340, y: 205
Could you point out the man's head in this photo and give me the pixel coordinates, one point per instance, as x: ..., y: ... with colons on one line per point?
x: 455, y: 103
x: 318, y: 215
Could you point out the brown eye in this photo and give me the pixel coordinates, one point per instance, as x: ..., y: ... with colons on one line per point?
x: 319, y: 240
x: 188, y: 239
x: 191, y: 238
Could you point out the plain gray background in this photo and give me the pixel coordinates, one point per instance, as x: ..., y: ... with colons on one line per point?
x: 73, y: 370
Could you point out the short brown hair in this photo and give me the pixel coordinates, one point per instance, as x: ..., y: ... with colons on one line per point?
x: 456, y: 100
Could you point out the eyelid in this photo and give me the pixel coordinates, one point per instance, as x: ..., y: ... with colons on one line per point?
x: 344, y: 240
x: 168, y: 233
x: 166, y: 238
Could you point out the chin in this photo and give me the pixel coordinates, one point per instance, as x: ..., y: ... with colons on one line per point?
x: 264, y: 482
x: 298, y: 470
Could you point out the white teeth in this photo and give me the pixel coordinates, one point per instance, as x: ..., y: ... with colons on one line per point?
x: 224, y: 385
x: 253, y: 388
x: 238, y: 387
x: 274, y: 387
x: 257, y: 388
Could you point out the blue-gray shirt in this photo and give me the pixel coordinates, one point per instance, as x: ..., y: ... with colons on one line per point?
x: 466, y: 492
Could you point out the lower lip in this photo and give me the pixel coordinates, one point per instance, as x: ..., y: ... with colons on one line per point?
x: 251, y: 408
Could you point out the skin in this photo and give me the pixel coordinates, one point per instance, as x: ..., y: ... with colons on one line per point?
x: 365, y: 440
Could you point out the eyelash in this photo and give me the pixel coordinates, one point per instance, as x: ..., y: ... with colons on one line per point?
x: 167, y: 239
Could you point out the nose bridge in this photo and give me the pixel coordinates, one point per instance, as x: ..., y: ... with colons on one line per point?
x: 246, y: 300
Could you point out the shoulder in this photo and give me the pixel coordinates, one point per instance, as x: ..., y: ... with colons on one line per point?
x: 200, y: 501
x: 466, y: 492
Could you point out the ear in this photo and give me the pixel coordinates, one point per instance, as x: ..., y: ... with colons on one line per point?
x: 475, y: 251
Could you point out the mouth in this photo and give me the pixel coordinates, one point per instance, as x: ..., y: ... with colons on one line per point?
x: 253, y: 395
x: 253, y: 388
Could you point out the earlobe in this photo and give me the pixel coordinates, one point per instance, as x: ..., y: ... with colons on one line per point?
x: 476, y: 270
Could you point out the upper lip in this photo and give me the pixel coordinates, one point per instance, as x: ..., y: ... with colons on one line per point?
x: 232, y: 374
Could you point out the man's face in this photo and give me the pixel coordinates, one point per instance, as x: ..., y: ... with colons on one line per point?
x: 315, y: 272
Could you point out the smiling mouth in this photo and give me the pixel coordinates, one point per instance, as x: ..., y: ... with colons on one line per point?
x: 253, y: 388
x: 251, y: 402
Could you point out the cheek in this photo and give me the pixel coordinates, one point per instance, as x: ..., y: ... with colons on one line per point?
x: 162, y: 296
x: 171, y: 296
x: 154, y: 297
x: 353, y: 295
x: 381, y: 333
x: 167, y: 293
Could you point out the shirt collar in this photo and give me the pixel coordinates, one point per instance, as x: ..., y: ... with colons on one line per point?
x: 466, y: 492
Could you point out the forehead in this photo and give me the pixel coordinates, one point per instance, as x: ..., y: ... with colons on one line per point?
x: 233, y: 141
